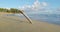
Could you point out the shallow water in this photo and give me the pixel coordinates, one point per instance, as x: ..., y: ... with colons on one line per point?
x: 50, y: 18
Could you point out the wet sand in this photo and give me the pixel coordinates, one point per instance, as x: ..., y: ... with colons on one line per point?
x: 17, y: 24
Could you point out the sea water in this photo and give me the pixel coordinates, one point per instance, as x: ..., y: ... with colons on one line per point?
x: 50, y: 18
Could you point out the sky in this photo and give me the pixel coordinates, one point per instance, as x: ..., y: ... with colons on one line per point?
x: 16, y: 3
x: 34, y: 5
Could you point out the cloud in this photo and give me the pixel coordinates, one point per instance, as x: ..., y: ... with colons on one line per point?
x: 35, y: 6
x: 44, y: 3
x: 58, y: 9
x: 40, y: 8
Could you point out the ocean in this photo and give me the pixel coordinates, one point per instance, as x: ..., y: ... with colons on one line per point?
x: 50, y: 18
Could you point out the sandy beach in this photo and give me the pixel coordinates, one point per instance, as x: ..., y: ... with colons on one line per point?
x: 17, y: 24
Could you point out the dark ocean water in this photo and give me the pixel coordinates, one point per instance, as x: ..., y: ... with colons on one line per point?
x: 50, y: 18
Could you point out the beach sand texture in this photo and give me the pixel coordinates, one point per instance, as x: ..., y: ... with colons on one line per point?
x: 17, y: 24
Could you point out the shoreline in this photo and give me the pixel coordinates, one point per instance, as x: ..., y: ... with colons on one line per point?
x: 11, y: 14
x: 16, y: 24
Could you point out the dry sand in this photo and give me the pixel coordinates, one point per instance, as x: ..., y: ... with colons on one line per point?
x: 17, y: 24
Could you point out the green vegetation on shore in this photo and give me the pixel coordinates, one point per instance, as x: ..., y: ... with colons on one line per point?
x: 11, y: 10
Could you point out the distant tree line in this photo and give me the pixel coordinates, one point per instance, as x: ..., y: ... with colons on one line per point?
x: 11, y: 10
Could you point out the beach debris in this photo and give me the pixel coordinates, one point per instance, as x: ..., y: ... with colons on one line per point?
x: 30, y: 21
